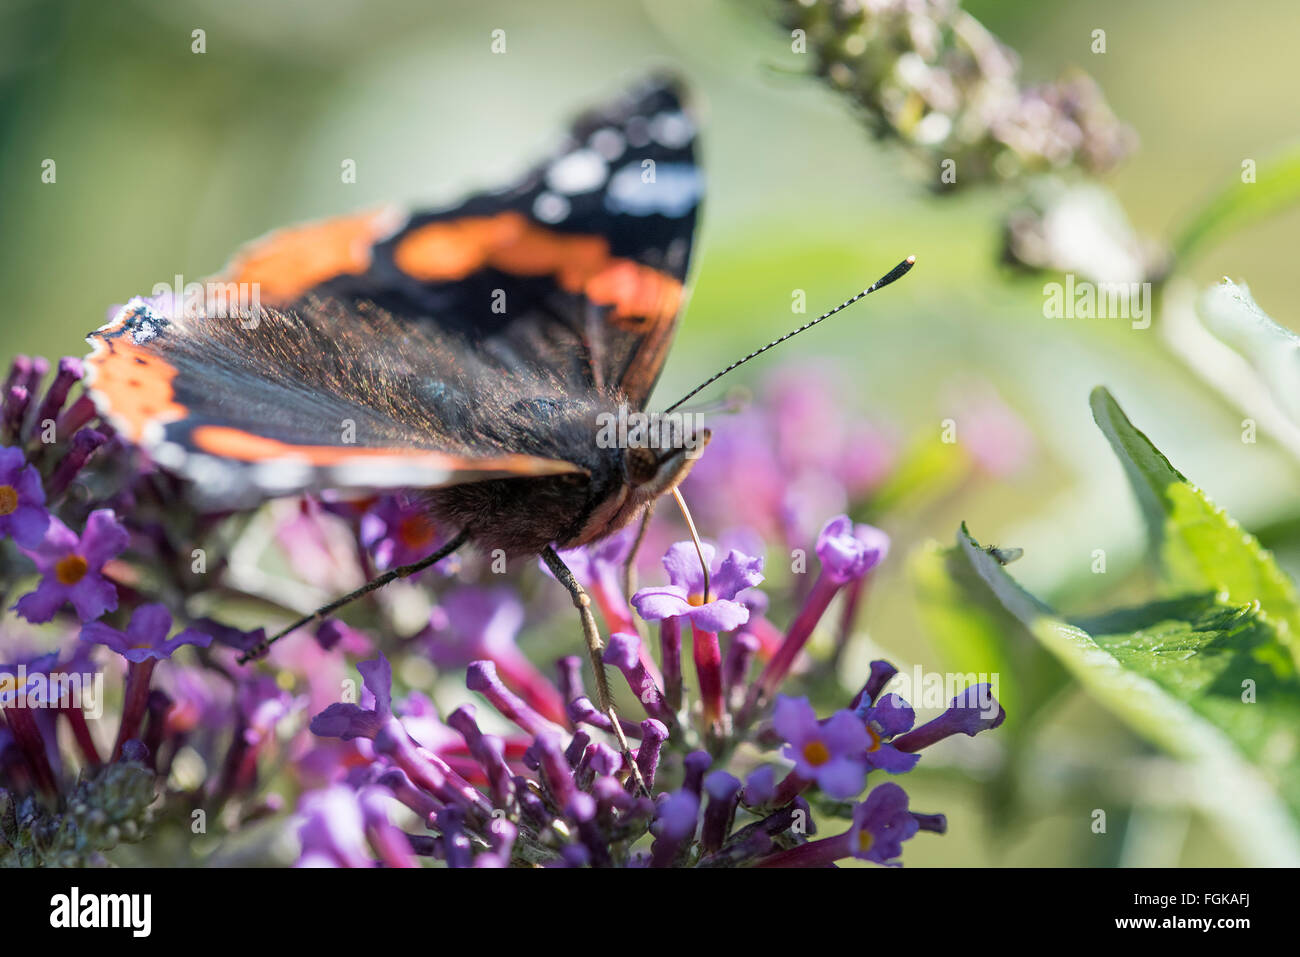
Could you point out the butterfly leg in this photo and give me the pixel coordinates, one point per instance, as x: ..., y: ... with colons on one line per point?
x: 401, y: 571
x: 582, y: 601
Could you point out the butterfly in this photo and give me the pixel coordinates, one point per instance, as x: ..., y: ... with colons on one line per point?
x: 467, y: 352
x: 474, y: 353
x: 463, y: 351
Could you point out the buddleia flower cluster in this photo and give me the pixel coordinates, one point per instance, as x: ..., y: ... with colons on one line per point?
x: 94, y: 546
x: 106, y: 807
x: 929, y: 75
x: 131, y: 733
x: 549, y: 788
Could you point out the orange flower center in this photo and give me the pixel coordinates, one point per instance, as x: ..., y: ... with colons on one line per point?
x: 414, y: 531
x: 8, y: 499
x: 865, y: 840
x: 816, y: 753
x: 875, y: 739
x: 71, y: 569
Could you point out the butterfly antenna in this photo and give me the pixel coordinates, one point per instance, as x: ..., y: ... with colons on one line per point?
x: 695, y: 537
x: 898, y: 272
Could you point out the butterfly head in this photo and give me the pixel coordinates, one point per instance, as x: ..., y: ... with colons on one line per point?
x: 651, y: 472
x: 649, y: 456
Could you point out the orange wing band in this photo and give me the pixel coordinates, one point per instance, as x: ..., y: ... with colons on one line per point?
x: 450, y: 250
x: 291, y: 261
x: 244, y: 446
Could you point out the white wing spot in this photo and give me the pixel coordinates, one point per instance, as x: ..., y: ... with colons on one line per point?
x: 673, y: 130
x: 675, y: 192
x: 144, y: 331
x: 551, y: 207
x: 581, y: 171
x: 608, y: 142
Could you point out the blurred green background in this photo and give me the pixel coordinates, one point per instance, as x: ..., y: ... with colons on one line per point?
x: 167, y: 160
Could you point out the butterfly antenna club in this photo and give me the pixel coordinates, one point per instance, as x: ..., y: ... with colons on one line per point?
x: 898, y: 272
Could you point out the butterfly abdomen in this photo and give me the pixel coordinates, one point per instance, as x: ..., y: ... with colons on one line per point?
x: 519, y: 516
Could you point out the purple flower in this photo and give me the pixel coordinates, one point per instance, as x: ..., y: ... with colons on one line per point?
x: 675, y: 822
x: 724, y: 794
x: 143, y: 644
x: 22, y: 683
x: 599, y: 560
x: 972, y: 711
x: 346, y: 720
x: 684, y: 595
x: 70, y: 372
x: 741, y: 455
x: 829, y: 752
x: 473, y: 623
x: 599, y: 569
x: 146, y: 635
x: 881, y: 824
x: 849, y: 551
x: 624, y: 653
x: 264, y: 704
x: 333, y: 829
x: 888, y: 718
x: 398, y: 532
x: 21, y: 687
x: 22, y: 499
x: 760, y: 786
x: 385, y: 837
x: 229, y: 636
x: 677, y: 815
x: 71, y: 569
x: 481, y: 623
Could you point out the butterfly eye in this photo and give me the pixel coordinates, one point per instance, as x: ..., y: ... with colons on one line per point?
x: 642, y: 465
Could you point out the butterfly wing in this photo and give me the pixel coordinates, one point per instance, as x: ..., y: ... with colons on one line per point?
x: 578, y: 267
x: 278, y: 402
x: 399, y: 351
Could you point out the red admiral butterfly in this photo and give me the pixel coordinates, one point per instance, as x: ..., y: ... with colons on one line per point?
x: 467, y: 352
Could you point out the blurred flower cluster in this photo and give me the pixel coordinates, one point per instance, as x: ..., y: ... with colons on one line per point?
x: 1079, y: 228
x: 127, y: 719
x: 931, y: 76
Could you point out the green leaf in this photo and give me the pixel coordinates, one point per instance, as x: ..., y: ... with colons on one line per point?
x: 1174, y: 672
x: 1200, y: 548
x: 1273, y: 351
x: 981, y: 636
x: 1276, y: 186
